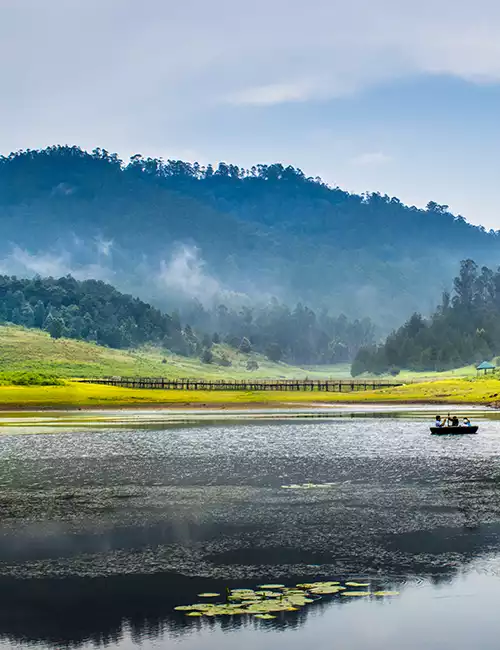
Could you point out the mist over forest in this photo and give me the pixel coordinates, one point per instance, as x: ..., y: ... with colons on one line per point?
x: 190, y: 238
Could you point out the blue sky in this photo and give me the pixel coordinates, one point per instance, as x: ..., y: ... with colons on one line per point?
x: 397, y: 96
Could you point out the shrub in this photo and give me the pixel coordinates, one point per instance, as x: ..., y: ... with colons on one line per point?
x: 29, y: 379
x: 207, y: 356
x: 274, y: 352
x: 245, y: 346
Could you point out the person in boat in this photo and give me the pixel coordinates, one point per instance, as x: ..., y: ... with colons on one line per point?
x: 454, y: 421
x: 466, y: 422
x: 439, y: 423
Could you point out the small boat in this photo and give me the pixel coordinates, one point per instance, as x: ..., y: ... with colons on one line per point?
x: 443, y: 431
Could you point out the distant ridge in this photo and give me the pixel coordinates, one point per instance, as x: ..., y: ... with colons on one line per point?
x: 255, y: 233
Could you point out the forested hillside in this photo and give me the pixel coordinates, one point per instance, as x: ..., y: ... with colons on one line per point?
x: 244, y: 235
x: 464, y: 329
x: 92, y: 310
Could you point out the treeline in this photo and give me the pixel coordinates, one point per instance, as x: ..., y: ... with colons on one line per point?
x: 464, y: 329
x: 297, y: 336
x: 92, y: 310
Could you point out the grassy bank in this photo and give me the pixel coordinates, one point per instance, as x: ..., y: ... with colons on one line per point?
x: 34, y: 351
x: 74, y: 395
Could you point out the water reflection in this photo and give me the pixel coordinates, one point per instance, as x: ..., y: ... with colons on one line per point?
x: 126, y: 611
x: 103, y: 533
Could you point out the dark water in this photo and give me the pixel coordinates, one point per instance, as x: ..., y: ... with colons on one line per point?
x: 103, y: 532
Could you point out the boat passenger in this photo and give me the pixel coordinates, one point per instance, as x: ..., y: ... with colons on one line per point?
x: 454, y: 421
x: 439, y: 423
x: 466, y: 422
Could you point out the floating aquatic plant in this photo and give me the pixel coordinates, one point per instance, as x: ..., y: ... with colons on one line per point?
x: 270, y: 599
x: 386, y: 593
x: 208, y: 595
x: 355, y: 593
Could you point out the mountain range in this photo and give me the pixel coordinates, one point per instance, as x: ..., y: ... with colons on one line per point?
x: 174, y: 231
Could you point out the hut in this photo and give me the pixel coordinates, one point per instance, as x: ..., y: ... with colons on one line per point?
x: 486, y: 365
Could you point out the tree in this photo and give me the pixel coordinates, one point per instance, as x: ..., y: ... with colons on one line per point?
x: 245, y: 346
x: 16, y: 317
x: 274, y: 352
x: 39, y: 314
x: 27, y: 315
x: 207, y: 356
x: 464, y: 283
x: 56, y: 327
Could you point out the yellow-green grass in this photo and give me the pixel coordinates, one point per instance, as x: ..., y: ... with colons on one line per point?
x: 343, y: 371
x: 33, y: 350
x: 74, y: 395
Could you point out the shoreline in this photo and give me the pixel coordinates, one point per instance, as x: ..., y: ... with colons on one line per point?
x: 226, y: 406
x: 74, y: 396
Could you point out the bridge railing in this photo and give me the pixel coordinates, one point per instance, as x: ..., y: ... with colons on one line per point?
x: 326, y: 385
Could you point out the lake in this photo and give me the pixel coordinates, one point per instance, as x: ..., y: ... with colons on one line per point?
x: 109, y: 520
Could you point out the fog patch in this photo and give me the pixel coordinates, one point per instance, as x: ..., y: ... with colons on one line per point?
x: 23, y: 263
x: 184, y: 276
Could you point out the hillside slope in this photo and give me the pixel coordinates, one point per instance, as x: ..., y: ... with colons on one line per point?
x: 170, y: 230
x: 24, y: 349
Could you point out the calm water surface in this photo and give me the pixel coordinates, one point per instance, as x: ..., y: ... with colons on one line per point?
x: 107, y: 526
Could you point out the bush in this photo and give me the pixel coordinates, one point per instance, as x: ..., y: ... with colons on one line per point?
x: 394, y: 371
x: 357, y: 368
x: 252, y: 364
x: 207, y: 356
x: 29, y: 379
x: 245, y: 346
x: 274, y: 352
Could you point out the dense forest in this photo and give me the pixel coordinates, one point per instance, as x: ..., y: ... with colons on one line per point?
x: 297, y: 336
x: 261, y: 232
x: 95, y: 311
x: 90, y: 310
x: 465, y: 328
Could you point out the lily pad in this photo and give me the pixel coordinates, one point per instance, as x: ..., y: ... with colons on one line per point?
x: 355, y: 593
x: 357, y: 584
x: 264, y: 617
x: 326, y: 591
x: 386, y: 593
x: 208, y: 595
x: 271, y: 586
x: 194, y: 614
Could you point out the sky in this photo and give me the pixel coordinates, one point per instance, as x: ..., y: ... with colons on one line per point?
x: 396, y: 96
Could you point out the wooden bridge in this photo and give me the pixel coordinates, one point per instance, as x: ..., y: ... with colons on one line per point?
x: 163, y: 383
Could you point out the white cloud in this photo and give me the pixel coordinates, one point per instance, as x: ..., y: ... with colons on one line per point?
x: 275, y: 94
x: 156, y: 68
x: 371, y: 159
x: 47, y: 264
x: 184, y: 276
